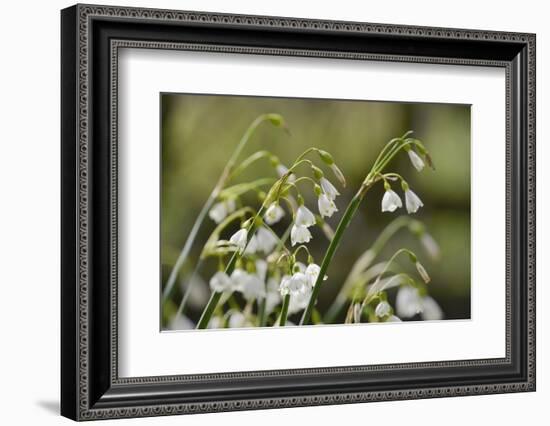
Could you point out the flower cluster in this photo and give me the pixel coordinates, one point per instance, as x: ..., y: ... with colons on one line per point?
x: 257, y: 262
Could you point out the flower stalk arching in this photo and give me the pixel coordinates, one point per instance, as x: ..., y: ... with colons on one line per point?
x: 274, y: 119
x: 388, y: 153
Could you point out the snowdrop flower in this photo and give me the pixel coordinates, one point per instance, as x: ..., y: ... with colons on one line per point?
x: 382, y: 309
x: 273, y: 214
x: 412, y: 202
x: 236, y: 320
x: 299, y: 234
x: 431, y: 310
x: 304, y: 217
x: 239, y: 239
x: 416, y: 161
x: 238, y: 279
x: 408, y: 302
x: 390, y: 201
x: 312, y: 272
x: 299, y: 301
x: 252, y: 246
x: 338, y: 173
x: 265, y: 240
x: 253, y: 288
x: 282, y: 170
x: 219, y: 211
x: 215, y: 322
x: 220, y: 281
x: 326, y: 205
x: 300, y: 267
x: 250, y: 285
x: 299, y: 289
x: 393, y: 318
x: 328, y: 188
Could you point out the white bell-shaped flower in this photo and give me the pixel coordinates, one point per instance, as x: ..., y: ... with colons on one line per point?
x: 393, y: 318
x: 382, y: 309
x: 431, y: 311
x: 239, y: 239
x: 328, y: 188
x: 252, y: 246
x: 299, y: 289
x: 312, y: 273
x: 391, y: 201
x: 408, y: 302
x: 220, y: 281
x: 299, y: 234
x: 416, y: 161
x: 304, y: 217
x: 237, y: 320
x: 412, y: 202
x: 265, y: 240
x: 219, y: 211
x: 326, y: 205
x: 253, y: 288
x: 238, y: 279
x: 282, y: 169
x: 273, y: 214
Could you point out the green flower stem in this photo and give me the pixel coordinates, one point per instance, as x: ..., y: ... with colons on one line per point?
x: 364, y: 261
x: 211, y: 199
x: 344, y: 222
x: 215, y: 296
x: 284, y: 310
x: 261, y: 312
x: 248, y: 161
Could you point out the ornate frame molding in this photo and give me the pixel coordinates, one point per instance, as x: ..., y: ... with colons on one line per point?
x: 88, y: 403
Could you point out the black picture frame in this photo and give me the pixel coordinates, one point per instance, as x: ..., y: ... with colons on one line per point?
x: 90, y: 386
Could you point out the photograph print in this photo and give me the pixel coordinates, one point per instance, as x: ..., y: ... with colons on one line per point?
x: 287, y: 212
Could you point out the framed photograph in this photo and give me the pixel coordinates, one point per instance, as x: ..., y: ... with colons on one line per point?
x: 263, y: 212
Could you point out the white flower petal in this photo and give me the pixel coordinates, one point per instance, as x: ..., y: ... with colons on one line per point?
x: 265, y: 239
x: 239, y: 239
x: 408, y: 302
x: 328, y: 188
x: 326, y: 206
x: 382, y: 309
x: 304, y: 217
x: 391, y: 201
x: 299, y: 234
x: 220, y: 281
x: 238, y: 279
x: 252, y: 246
x: 273, y: 214
x: 218, y: 212
x: 312, y: 273
x: 431, y: 311
x: 416, y: 161
x: 393, y: 318
x: 281, y: 170
x: 412, y: 202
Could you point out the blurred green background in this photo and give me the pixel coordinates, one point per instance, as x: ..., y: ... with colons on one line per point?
x: 199, y: 133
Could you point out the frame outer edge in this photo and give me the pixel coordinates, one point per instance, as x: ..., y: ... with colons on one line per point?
x: 80, y: 340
